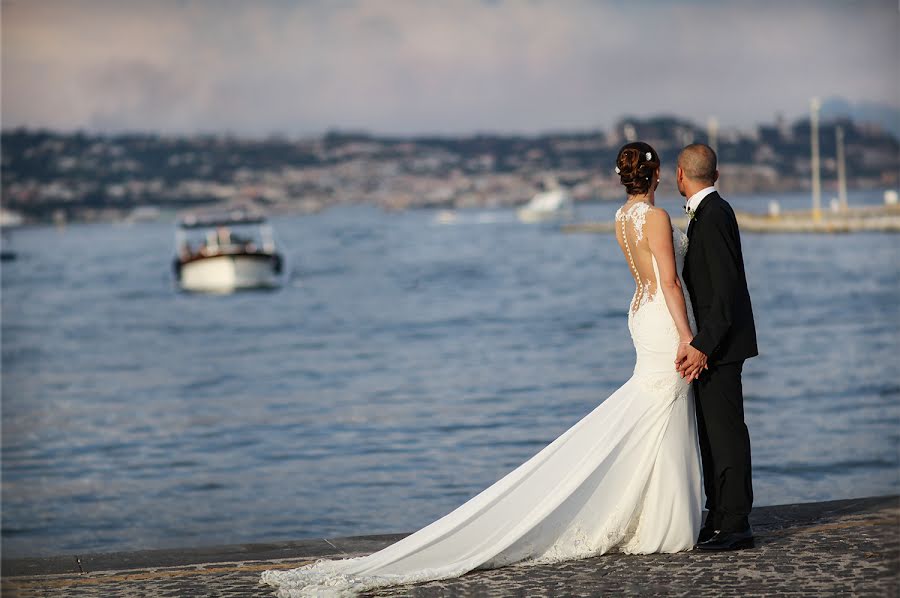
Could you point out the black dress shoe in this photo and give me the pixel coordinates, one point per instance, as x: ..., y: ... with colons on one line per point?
x: 705, y: 534
x: 723, y: 540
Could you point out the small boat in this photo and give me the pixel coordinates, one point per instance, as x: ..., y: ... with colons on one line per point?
x: 221, y: 252
x: 445, y: 217
x: 143, y: 214
x: 552, y: 204
x: 10, y: 218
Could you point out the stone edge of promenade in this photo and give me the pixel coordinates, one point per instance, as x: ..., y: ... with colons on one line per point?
x: 769, y: 517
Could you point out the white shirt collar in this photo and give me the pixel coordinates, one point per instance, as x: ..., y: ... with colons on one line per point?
x: 694, y: 200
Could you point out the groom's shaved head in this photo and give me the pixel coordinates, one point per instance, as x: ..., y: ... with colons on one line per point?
x: 698, y: 161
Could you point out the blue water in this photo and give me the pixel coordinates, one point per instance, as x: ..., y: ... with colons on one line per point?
x: 404, y: 367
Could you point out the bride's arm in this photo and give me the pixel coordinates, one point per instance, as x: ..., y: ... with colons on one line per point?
x: 659, y: 236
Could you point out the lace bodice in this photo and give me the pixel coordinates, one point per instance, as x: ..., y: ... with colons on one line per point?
x: 637, y: 214
x: 647, y: 282
x: 645, y: 271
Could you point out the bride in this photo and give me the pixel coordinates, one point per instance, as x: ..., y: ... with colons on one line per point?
x: 625, y: 477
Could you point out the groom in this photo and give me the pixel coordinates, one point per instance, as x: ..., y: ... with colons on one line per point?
x: 714, y: 276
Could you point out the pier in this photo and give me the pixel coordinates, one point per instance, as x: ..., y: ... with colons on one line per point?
x: 885, y: 218
x: 842, y: 547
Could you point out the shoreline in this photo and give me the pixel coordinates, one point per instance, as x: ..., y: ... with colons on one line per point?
x: 884, y: 219
x: 167, y: 212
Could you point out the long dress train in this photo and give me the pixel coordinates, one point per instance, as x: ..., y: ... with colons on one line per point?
x: 626, y: 477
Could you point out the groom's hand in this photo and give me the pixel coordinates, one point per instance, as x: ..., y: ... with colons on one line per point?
x: 695, y: 373
x: 693, y: 363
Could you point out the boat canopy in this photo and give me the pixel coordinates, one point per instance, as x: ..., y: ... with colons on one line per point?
x: 214, y: 219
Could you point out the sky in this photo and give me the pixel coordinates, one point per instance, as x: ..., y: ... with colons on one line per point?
x: 264, y: 67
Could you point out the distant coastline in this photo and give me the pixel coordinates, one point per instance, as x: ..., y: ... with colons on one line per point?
x: 57, y: 177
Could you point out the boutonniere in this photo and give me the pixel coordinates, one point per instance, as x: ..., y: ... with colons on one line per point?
x: 691, y: 214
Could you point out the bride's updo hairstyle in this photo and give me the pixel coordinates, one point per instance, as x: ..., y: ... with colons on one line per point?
x: 636, y: 166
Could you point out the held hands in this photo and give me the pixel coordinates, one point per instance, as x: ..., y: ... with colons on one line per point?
x: 689, y: 361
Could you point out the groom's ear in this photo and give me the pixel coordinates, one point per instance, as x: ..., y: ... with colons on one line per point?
x: 715, y: 176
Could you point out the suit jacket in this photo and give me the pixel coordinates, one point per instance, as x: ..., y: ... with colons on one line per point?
x: 714, y: 276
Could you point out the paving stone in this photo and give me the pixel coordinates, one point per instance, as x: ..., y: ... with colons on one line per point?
x: 848, y: 547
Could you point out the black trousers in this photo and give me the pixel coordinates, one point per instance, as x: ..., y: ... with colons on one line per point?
x: 724, y: 446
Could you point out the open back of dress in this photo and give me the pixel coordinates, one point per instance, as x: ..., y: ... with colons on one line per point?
x: 625, y: 477
x: 630, y: 235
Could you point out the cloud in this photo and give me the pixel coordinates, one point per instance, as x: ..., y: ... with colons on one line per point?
x: 405, y: 66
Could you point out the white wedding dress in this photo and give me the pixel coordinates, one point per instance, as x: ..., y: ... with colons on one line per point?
x: 625, y: 477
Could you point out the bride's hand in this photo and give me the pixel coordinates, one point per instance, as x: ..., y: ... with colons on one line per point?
x: 682, y: 353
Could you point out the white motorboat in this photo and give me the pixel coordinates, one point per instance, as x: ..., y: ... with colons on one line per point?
x: 224, y: 252
x: 552, y: 204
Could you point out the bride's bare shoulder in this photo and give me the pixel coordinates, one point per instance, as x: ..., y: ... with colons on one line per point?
x: 659, y: 224
x: 658, y: 215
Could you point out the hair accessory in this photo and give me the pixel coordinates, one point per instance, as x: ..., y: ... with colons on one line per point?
x: 649, y: 156
x: 617, y: 170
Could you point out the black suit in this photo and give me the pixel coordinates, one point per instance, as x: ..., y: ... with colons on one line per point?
x: 714, y: 276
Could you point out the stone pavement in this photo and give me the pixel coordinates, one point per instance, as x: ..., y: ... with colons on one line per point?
x: 845, y: 547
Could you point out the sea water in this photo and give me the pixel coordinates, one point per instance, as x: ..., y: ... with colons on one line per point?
x: 404, y: 366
